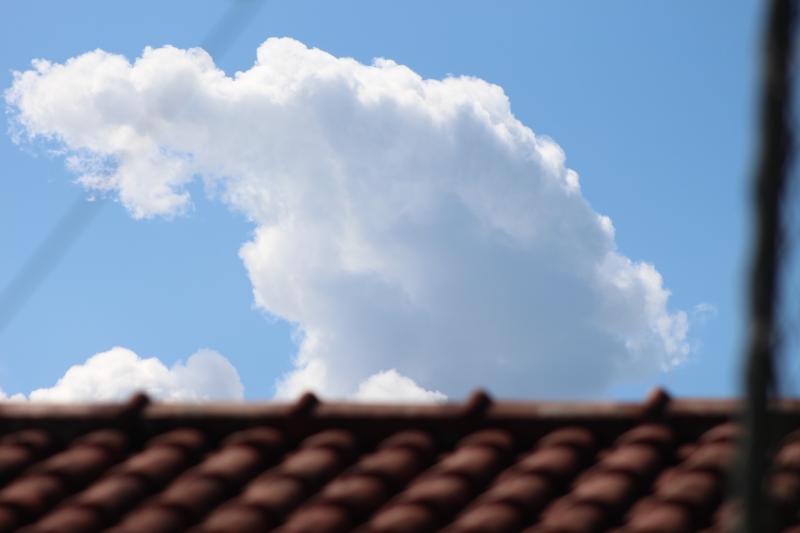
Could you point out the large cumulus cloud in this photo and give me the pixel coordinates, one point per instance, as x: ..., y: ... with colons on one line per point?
x: 402, y: 224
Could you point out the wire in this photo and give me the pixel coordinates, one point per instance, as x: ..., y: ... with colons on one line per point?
x: 79, y: 216
x: 46, y: 257
x: 223, y: 34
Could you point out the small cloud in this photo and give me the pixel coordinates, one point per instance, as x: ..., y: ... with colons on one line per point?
x: 118, y: 373
x: 391, y: 387
x: 703, y: 312
x: 13, y: 398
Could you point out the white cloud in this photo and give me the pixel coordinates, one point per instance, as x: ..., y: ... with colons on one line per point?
x: 703, y: 312
x: 390, y: 386
x: 119, y: 373
x: 401, y: 222
x: 13, y: 398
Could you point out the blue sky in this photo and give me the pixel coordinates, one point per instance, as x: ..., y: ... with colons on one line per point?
x: 652, y: 102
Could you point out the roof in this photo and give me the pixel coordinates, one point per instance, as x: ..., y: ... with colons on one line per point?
x: 312, y: 466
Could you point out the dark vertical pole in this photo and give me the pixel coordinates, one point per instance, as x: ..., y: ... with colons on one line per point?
x: 769, y: 186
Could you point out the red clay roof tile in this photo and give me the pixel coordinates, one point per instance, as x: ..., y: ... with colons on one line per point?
x: 478, y: 467
x: 275, y: 495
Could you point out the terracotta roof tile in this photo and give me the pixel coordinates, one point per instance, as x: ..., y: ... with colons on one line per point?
x: 404, y: 518
x: 274, y: 494
x: 482, y: 466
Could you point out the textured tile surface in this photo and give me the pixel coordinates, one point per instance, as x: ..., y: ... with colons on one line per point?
x: 317, y: 467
